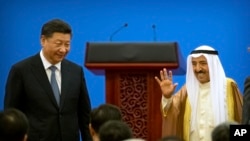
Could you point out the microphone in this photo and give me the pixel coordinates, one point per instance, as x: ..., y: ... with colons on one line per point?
x: 154, y: 32
x: 115, y: 32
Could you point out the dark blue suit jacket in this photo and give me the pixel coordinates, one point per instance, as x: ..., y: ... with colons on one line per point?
x: 28, y: 89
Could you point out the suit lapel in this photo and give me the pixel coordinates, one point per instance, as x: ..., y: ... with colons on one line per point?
x: 65, y: 74
x: 42, y: 78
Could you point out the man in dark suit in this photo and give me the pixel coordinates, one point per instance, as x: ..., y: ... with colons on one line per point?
x: 53, y: 115
x: 246, y: 102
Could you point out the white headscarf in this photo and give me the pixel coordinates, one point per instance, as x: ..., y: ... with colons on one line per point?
x: 217, y: 85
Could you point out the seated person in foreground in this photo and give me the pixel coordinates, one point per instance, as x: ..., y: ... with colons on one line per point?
x: 13, y: 125
x: 115, y: 130
x: 222, y: 131
x: 100, y: 115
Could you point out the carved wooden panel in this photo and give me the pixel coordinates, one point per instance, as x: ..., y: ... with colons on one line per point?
x: 133, y: 101
x: 138, y: 96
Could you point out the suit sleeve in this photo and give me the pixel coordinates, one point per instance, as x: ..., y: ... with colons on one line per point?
x: 13, y: 89
x: 246, y: 102
x: 84, y: 109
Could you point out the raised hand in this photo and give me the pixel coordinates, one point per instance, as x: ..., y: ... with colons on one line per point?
x: 166, y: 83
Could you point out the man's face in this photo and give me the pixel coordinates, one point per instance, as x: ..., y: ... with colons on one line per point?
x: 55, y: 48
x: 200, y: 68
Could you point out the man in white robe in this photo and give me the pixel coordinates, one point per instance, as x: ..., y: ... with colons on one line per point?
x: 207, y: 99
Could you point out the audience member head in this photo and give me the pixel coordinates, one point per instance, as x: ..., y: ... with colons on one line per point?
x: 13, y: 125
x: 115, y: 130
x: 100, y: 115
x: 222, y: 131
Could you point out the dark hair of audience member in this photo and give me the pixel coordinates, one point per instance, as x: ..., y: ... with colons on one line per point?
x: 115, y: 130
x: 103, y: 113
x: 13, y: 125
x: 222, y: 131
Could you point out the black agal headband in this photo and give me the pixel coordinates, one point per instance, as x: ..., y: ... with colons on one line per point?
x: 205, y: 51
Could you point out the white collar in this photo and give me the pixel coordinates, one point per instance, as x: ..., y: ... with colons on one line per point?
x: 47, y: 64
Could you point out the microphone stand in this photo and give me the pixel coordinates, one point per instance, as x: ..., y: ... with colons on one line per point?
x: 112, y: 35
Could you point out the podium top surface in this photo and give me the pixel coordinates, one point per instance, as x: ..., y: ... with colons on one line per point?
x: 132, y: 55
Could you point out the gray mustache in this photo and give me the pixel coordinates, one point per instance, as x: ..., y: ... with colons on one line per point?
x: 200, y: 72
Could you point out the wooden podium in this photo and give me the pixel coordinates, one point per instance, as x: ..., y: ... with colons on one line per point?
x: 129, y: 70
